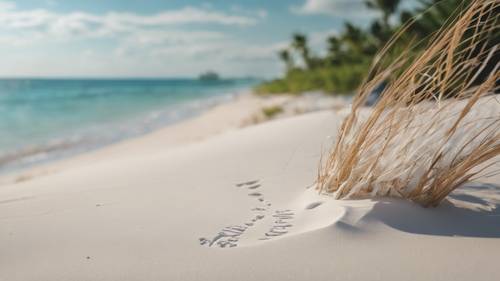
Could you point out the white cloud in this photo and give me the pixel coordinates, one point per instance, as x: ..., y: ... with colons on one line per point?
x: 340, y: 8
x: 168, y: 42
x: 81, y: 24
x: 7, y: 5
x: 41, y: 42
x: 196, y: 46
x: 183, y: 16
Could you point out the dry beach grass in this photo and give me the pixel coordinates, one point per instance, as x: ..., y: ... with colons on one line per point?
x: 436, y: 125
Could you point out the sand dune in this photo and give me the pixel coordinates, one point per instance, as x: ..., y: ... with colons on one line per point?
x: 237, y: 206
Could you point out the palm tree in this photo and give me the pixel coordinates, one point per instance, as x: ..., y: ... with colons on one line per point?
x: 379, y: 32
x: 334, y: 45
x: 432, y: 15
x: 387, y: 7
x: 334, y: 49
x: 299, y: 43
x: 286, y: 58
x: 356, y: 43
x: 354, y: 38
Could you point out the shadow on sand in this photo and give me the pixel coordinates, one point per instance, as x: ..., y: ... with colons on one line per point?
x: 470, y: 211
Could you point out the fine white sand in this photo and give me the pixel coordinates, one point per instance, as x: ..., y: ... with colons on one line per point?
x: 234, y: 206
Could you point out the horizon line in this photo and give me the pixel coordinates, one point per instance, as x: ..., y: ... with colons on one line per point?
x: 122, y: 77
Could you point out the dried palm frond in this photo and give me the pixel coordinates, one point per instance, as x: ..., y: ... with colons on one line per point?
x: 436, y: 125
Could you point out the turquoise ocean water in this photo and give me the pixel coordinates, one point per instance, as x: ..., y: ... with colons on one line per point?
x: 46, y: 119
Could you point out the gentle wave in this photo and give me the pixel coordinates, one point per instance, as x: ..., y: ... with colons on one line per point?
x: 104, y: 133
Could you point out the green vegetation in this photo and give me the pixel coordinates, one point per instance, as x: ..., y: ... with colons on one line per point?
x: 272, y: 111
x: 351, y: 53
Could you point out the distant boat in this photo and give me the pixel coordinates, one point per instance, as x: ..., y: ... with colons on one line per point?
x: 209, y: 76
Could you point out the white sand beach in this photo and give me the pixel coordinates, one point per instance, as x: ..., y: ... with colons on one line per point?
x: 206, y: 200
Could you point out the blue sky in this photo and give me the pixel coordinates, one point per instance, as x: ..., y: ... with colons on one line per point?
x: 161, y: 38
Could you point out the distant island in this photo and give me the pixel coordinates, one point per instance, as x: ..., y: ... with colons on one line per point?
x: 209, y: 76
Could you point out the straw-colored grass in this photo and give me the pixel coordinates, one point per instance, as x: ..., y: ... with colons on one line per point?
x: 434, y: 128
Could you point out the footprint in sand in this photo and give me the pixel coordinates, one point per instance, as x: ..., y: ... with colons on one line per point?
x: 231, y: 235
x: 313, y: 205
x: 281, y: 224
x: 247, y: 183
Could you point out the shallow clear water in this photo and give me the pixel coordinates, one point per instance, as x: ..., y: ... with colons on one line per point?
x: 42, y: 119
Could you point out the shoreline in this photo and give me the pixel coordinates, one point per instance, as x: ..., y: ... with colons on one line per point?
x: 184, y: 131
x: 241, y: 111
x: 56, y: 119
x: 65, y: 148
